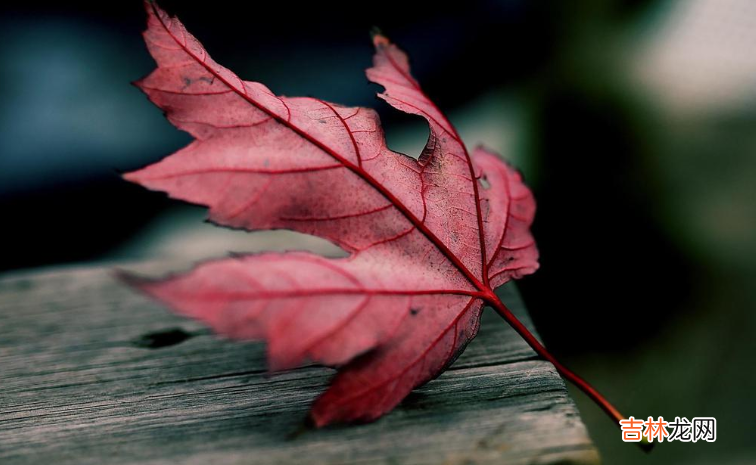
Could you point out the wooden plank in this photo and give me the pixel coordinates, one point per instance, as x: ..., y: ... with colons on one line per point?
x: 88, y: 375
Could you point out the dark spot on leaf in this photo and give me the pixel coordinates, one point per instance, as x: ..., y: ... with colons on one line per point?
x: 414, y: 311
x: 160, y: 339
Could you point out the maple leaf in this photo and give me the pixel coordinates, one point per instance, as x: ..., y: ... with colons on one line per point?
x: 429, y: 239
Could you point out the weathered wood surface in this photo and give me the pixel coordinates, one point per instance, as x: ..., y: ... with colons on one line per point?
x: 80, y: 383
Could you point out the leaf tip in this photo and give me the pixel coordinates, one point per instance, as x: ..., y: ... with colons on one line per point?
x: 131, y: 176
x: 155, y: 11
x: 315, y: 420
x: 149, y: 5
x: 379, y: 40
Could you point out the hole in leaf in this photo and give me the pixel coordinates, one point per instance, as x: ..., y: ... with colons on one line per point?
x: 405, y: 133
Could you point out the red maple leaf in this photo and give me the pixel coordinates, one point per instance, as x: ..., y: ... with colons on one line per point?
x: 428, y: 239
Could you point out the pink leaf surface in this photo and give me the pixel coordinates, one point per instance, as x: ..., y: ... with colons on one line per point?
x: 428, y: 239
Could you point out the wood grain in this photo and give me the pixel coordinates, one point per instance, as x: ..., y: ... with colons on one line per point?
x: 92, y: 372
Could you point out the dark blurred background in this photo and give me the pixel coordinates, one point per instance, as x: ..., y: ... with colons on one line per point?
x: 633, y: 121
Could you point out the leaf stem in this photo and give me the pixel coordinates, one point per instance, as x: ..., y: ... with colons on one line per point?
x: 583, y: 385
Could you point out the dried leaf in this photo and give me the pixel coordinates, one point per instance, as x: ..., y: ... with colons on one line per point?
x: 428, y: 239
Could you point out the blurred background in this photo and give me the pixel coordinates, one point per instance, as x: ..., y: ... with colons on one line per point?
x: 633, y: 121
